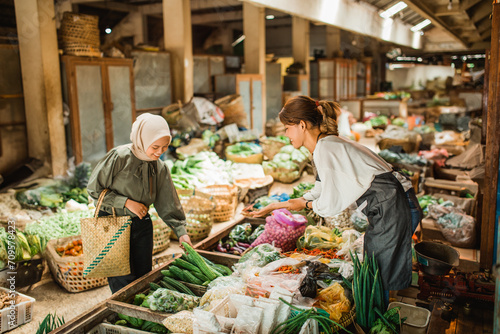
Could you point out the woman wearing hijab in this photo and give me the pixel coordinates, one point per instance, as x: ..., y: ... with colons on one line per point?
x: 348, y: 172
x: 136, y: 179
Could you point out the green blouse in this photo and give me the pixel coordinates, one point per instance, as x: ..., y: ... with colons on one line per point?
x: 147, y: 182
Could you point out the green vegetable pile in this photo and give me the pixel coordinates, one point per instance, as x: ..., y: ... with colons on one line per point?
x: 244, y: 149
x: 193, y: 268
x: 286, y: 165
x: 59, y: 225
x: 412, y: 158
x: 25, y: 246
x: 136, y: 323
x: 398, y: 121
x: 377, y: 121
x: 300, y: 316
x: 199, y: 170
x: 165, y: 300
x: 281, y: 139
x: 58, y: 193
x: 301, y: 189
x: 388, y: 323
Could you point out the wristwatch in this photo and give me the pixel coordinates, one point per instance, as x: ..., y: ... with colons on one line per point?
x: 307, y: 202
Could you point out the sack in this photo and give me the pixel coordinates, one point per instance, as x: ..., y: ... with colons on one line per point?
x: 106, y: 242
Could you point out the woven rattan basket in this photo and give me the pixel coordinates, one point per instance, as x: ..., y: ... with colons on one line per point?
x: 271, y: 147
x: 68, y: 270
x: 161, y: 236
x: 79, y: 35
x: 233, y: 109
x: 346, y: 319
x: 199, y: 209
x: 226, y: 199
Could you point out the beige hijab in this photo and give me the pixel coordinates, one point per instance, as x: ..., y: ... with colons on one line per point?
x: 147, y: 129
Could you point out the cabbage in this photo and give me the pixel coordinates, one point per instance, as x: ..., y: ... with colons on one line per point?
x: 287, y: 149
x: 282, y: 157
x: 297, y: 155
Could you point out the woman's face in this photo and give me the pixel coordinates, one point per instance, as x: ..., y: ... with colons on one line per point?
x: 295, y: 133
x: 156, y: 149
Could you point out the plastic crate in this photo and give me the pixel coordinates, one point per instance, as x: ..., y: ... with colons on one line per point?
x: 23, y: 313
x: 417, y: 319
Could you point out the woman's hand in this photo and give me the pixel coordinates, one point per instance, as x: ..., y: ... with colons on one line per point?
x: 297, y: 204
x: 185, y: 238
x: 267, y: 209
x: 137, y: 208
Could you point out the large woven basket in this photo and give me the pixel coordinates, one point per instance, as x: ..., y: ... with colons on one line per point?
x: 346, y: 319
x: 68, y: 270
x: 226, y: 199
x: 161, y: 236
x: 271, y: 147
x: 199, y: 209
x: 233, y: 109
x: 79, y: 35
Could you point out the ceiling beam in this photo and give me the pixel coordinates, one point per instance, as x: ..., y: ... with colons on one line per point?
x: 485, y: 34
x: 483, y: 11
x: 443, y: 10
x: 466, y: 4
x: 355, y: 16
x: 111, y: 5
x: 209, y: 4
x: 202, y: 19
x: 484, y: 25
x: 480, y: 46
x: 456, y: 9
x: 427, y: 13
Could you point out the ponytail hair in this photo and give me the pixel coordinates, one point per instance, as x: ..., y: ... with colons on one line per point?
x: 319, y: 114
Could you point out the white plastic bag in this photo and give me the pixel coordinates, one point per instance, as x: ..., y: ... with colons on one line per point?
x: 208, y: 112
x: 248, y: 320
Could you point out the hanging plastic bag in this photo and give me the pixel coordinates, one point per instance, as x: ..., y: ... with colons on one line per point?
x: 459, y: 229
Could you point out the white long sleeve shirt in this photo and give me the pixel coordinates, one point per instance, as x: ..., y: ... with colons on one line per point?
x: 346, y: 170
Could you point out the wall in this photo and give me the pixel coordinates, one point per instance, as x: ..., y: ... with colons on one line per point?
x: 404, y: 78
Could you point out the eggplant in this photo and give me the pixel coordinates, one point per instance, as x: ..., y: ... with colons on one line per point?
x: 220, y: 248
x: 243, y: 245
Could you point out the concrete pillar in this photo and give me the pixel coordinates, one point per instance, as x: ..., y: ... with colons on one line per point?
x: 333, y: 42
x: 300, y: 41
x: 178, y: 41
x: 254, y: 29
x: 38, y: 49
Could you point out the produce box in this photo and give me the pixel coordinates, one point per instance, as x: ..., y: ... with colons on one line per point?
x: 463, y: 194
x: 68, y: 270
x: 23, y: 311
x: 26, y: 273
x: 210, y: 244
x: 122, y: 301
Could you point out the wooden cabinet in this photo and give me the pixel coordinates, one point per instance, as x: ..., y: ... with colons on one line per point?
x: 337, y: 79
x: 100, y: 95
x: 251, y: 87
x: 152, y: 80
x: 13, y: 133
x: 204, y: 68
x: 296, y: 82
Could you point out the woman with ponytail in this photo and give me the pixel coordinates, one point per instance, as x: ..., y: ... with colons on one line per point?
x: 348, y: 172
